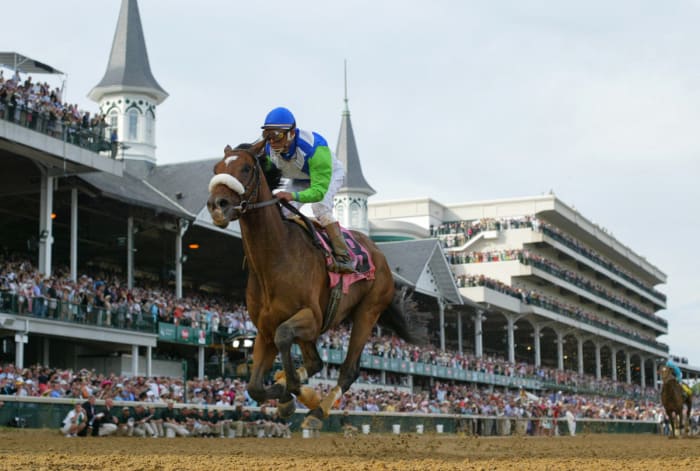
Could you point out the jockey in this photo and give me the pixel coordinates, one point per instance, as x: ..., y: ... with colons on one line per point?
x: 314, y: 175
x: 679, y: 376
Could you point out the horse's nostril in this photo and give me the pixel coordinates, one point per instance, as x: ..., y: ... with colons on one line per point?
x: 221, y: 203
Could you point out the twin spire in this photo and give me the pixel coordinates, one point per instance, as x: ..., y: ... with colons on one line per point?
x: 347, y: 152
x: 128, y: 69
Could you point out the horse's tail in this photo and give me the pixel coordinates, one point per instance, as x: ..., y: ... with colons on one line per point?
x: 400, y: 316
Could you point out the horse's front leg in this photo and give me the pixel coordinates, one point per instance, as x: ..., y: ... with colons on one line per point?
x: 264, y: 353
x: 303, y: 327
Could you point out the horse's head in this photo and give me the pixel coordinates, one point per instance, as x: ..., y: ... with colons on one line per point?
x: 236, y: 183
x: 666, y: 374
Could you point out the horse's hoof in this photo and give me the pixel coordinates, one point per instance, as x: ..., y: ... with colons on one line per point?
x: 312, y: 422
x: 309, y: 397
x: 286, y: 409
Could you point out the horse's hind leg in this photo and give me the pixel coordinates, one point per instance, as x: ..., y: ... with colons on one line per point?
x: 363, y: 323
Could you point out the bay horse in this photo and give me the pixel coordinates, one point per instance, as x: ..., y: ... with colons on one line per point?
x: 673, y: 401
x: 288, y: 288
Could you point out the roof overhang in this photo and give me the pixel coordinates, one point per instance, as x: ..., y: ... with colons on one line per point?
x: 27, y: 65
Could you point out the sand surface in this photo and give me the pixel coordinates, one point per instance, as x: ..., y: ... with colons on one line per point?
x: 44, y: 450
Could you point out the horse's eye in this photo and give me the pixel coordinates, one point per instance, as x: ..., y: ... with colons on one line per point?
x: 246, y: 169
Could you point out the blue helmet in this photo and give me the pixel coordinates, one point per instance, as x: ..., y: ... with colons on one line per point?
x: 279, y: 118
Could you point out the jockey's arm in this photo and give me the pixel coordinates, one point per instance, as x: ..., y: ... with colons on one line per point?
x: 320, y: 172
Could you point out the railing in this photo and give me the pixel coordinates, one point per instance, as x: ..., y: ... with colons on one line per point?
x: 602, y: 262
x: 533, y: 382
x: 90, y: 138
x: 39, y: 412
x: 534, y: 301
x: 584, y: 284
x: 84, y: 314
x: 532, y: 298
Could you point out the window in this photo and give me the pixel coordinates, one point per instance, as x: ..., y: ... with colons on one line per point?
x: 355, y: 213
x: 340, y: 212
x: 113, y: 116
x: 133, y: 125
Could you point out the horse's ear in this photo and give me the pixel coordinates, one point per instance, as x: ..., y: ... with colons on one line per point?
x: 228, y: 150
x: 258, y: 147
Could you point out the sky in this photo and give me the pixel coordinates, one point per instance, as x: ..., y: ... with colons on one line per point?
x: 455, y: 100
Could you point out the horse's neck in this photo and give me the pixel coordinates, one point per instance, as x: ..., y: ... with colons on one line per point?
x: 264, y: 237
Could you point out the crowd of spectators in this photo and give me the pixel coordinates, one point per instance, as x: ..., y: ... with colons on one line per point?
x: 40, y: 107
x: 454, y: 234
x: 537, y: 298
x: 526, y: 257
x: 221, y: 407
x: 104, y: 299
x: 141, y: 305
x: 390, y: 346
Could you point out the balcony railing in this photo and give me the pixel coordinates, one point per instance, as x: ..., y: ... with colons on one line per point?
x: 85, y: 314
x: 90, y: 138
x: 602, y: 262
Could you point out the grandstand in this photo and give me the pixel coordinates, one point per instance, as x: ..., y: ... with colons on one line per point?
x: 515, y: 282
x: 554, y: 288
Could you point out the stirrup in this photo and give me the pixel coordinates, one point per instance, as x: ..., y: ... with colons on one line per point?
x: 342, y: 266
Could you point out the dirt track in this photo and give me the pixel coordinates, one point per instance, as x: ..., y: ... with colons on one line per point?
x: 35, y: 450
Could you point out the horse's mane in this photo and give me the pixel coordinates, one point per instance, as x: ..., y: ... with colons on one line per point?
x: 273, y: 175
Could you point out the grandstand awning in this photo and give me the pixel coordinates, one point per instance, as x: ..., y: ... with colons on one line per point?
x: 27, y: 65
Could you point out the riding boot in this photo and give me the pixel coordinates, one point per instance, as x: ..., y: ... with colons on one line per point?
x: 343, y: 262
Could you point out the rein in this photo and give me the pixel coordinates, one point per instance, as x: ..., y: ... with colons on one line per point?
x: 246, y: 205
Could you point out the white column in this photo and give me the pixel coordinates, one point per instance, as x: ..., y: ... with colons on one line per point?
x: 560, y: 351
x: 597, y: 361
x: 655, y: 375
x: 613, y: 363
x: 200, y: 362
x: 536, y: 341
x: 149, y: 361
x: 45, y: 352
x: 130, y: 252
x: 45, y: 223
x: 511, y: 339
x: 135, y: 360
x: 182, y: 227
x: 628, y: 367
x: 19, y: 352
x: 441, y: 306
x: 642, y: 370
x: 478, y: 335
x: 460, y: 348
x: 580, y: 355
x: 74, y: 234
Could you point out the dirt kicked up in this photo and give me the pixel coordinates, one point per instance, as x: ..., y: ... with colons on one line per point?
x: 44, y: 450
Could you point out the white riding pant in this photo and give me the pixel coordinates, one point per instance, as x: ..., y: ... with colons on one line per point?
x: 322, y: 210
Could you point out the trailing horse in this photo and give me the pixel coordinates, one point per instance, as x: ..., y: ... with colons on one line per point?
x: 673, y: 400
x: 289, y: 292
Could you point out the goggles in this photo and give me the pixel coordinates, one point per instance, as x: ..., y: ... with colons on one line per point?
x: 275, y: 135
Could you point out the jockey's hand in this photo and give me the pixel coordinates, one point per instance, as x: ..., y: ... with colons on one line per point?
x: 284, y: 196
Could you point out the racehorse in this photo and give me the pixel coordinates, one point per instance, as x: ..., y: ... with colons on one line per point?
x: 673, y: 400
x: 288, y: 288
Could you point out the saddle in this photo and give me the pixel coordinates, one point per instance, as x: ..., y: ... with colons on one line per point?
x: 359, y: 254
x: 339, y: 283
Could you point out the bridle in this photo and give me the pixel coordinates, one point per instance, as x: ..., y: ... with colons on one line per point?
x: 251, y: 188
